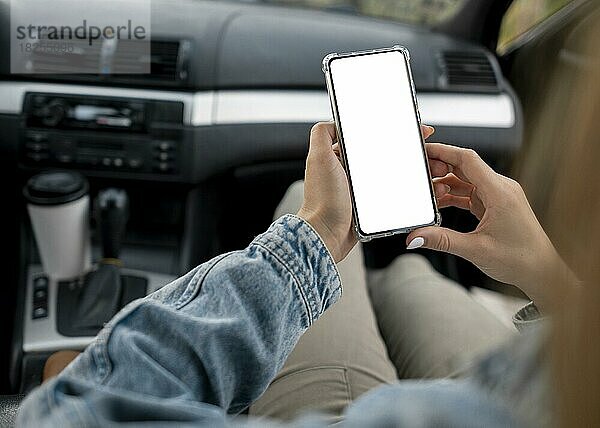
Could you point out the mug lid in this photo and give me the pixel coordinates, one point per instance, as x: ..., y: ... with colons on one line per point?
x: 55, y: 187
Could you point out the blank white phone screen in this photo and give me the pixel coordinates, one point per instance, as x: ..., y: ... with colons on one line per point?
x: 381, y: 135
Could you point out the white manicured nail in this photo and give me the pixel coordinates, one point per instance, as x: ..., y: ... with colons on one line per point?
x: 415, y: 243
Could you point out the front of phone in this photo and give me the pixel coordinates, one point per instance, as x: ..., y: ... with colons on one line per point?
x: 374, y: 106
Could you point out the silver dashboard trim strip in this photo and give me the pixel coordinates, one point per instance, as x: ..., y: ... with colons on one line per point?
x: 273, y: 106
x: 468, y: 110
x: 224, y: 107
x: 441, y: 109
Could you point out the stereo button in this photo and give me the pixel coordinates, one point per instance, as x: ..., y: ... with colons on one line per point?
x: 106, y: 161
x: 135, y: 163
x: 37, y: 137
x: 118, y: 162
x: 164, y: 167
x: 36, y: 147
x: 37, y: 157
x: 164, y: 145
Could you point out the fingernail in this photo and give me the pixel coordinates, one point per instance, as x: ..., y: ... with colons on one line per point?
x: 415, y: 243
x: 431, y: 128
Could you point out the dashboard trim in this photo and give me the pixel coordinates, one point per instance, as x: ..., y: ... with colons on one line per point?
x: 441, y: 109
x: 227, y: 107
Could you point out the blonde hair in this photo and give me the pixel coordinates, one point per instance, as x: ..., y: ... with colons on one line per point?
x: 561, y: 173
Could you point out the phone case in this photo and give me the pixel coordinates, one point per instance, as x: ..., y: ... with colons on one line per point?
x: 327, y: 71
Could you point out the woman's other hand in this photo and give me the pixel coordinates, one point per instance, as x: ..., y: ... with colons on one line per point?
x: 509, y: 243
x: 327, y: 206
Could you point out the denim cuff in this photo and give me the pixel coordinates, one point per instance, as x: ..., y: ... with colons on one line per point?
x: 300, y: 249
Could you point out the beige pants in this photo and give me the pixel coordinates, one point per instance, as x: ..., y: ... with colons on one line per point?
x: 409, y: 322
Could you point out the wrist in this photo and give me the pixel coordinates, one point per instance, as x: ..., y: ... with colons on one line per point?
x: 324, y: 231
x: 553, y: 279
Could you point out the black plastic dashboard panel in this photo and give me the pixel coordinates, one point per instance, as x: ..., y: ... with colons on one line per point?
x: 242, y: 145
x: 286, y: 49
x: 245, y: 47
x: 241, y: 45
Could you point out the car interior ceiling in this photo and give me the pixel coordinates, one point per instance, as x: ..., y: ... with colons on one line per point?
x: 229, y: 172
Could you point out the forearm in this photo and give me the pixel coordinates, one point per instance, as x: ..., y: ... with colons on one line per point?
x: 215, y: 336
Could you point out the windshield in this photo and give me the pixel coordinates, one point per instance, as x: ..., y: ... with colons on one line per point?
x: 420, y: 12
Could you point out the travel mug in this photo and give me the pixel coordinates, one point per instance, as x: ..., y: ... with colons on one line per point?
x: 59, y: 209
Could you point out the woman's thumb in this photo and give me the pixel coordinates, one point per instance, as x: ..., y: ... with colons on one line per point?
x: 321, y: 138
x: 440, y: 239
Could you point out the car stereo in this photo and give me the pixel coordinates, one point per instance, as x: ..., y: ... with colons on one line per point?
x: 64, y: 112
x: 101, y: 133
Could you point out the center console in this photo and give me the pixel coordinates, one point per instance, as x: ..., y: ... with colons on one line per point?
x: 134, y: 141
x: 68, y: 299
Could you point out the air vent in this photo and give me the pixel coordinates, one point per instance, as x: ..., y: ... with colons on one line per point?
x: 80, y: 57
x: 164, y: 60
x: 168, y: 60
x: 467, y: 70
x: 168, y: 63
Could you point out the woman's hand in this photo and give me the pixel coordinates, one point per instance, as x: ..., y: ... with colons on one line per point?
x: 509, y: 243
x: 327, y: 205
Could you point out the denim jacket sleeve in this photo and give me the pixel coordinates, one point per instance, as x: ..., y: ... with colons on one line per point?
x: 205, y: 345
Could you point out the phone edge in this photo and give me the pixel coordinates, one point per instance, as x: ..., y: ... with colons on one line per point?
x: 364, y: 237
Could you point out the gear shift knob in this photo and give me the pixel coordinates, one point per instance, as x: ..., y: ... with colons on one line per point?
x: 112, y: 212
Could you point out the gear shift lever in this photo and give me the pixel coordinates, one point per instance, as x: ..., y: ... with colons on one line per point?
x: 102, y: 291
x: 112, y: 211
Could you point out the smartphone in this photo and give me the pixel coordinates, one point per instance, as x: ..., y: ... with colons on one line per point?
x: 378, y: 127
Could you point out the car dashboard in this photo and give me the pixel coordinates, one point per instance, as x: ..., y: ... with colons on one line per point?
x: 206, y: 144
x: 219, y: 71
